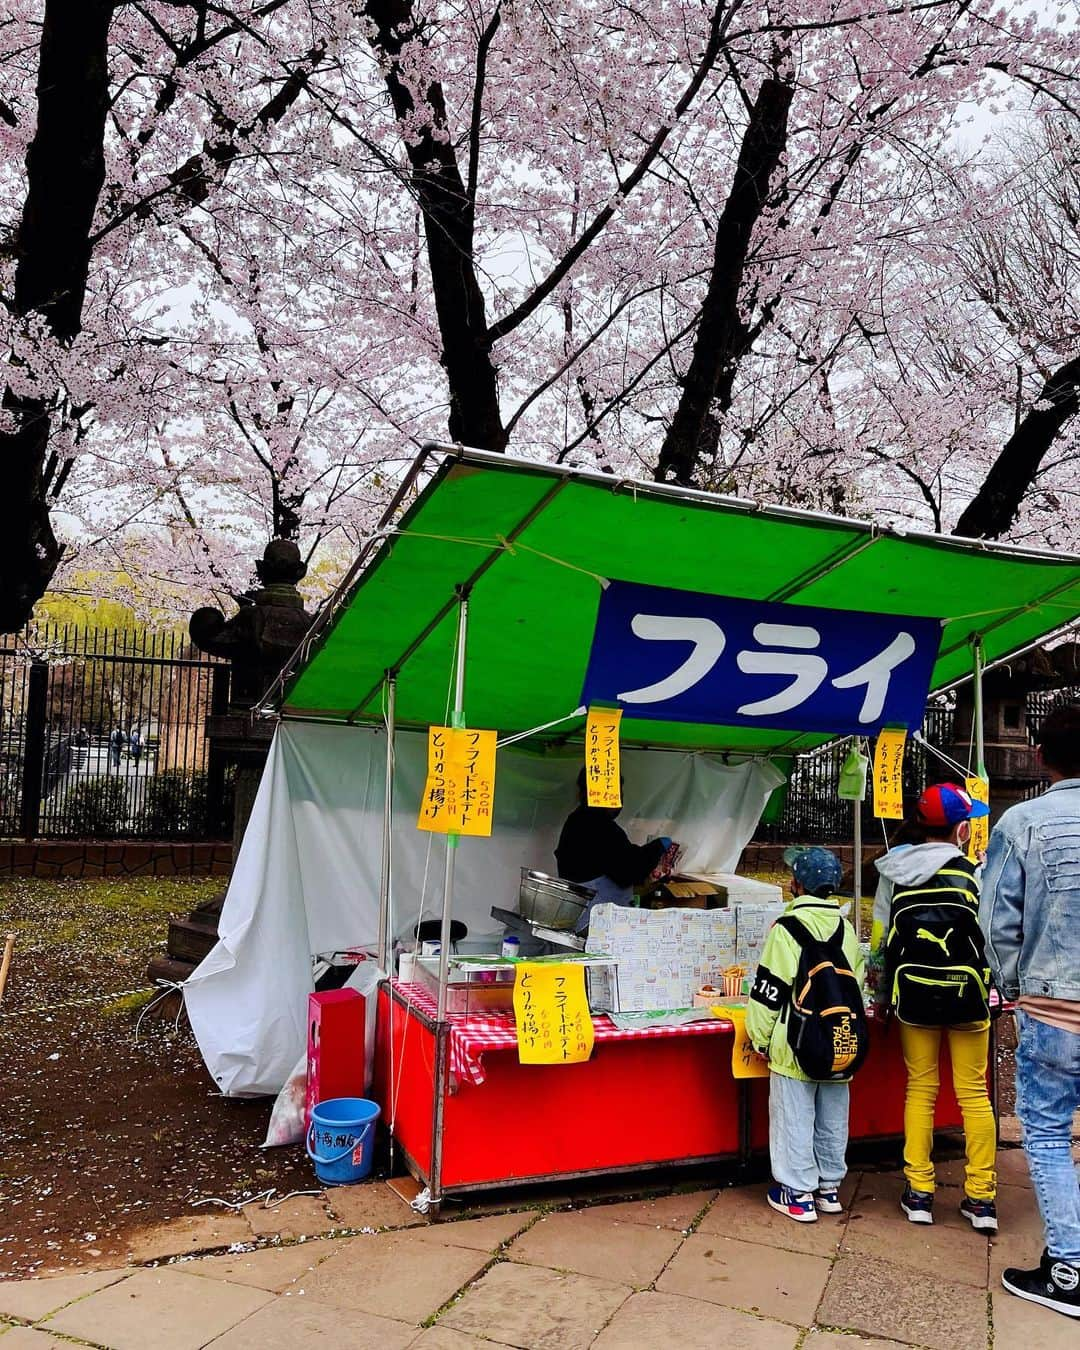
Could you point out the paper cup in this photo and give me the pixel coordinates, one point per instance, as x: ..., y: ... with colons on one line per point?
x: 732, y: 985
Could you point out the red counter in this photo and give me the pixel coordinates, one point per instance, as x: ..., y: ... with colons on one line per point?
x: 637, y: 1104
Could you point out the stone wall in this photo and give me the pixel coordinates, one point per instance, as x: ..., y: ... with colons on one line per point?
x: 124, y: 858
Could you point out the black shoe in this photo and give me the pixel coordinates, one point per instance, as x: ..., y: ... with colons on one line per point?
x: 1055, y: 1284
x: 981, y: 1214
x: 918, y: 1205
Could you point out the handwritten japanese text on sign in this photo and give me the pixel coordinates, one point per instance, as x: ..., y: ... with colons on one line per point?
x: 682, y: 656
x: 552, y: 1013
x: 459, y: 793
x: 889, y: 775
x: 745, y: 1061
x: 978, y: 789
x: 603, y: 777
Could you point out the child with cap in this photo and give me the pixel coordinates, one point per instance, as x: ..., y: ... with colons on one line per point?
x: 808, y: 1118
x: 936, y: 982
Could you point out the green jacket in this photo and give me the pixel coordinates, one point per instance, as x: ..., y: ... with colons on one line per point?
x: 770, y: 999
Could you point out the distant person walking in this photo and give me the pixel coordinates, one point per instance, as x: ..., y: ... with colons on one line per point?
x: 1031, y: 916
x: 116, y: 746
x: 135, y: 745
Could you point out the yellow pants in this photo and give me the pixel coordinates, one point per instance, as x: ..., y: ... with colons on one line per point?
x: 968, y: 1052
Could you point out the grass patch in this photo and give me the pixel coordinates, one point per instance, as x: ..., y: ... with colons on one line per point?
x: 129, y: 1004
x: 108, y: 916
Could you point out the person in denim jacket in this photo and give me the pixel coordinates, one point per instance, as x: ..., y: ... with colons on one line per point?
x: 1030, y: 913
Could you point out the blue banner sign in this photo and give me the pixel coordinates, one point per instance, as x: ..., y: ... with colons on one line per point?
x: 678, y: 656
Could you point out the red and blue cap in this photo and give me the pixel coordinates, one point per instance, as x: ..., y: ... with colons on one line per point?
x: 945, y: 804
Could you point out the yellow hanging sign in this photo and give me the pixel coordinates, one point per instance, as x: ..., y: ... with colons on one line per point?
x: 978, y: 789
x: 459, y: 793
x: 603, y: 776
x: 745, y: 1061
x: 554, y: 1025
x: 889, y: 775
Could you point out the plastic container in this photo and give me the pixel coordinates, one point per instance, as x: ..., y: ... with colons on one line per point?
x: 511, y: 948
x: 341, y: 1139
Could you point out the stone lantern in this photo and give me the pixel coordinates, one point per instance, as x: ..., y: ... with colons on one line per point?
x: 257, y: 641
x: 1011, y: 757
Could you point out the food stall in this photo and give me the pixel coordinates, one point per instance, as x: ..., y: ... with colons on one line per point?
x: 511, y: 596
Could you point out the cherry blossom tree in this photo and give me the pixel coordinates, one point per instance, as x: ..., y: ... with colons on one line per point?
x: 734, y: 244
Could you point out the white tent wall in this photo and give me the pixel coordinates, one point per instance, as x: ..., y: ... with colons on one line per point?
x: 306, y: 880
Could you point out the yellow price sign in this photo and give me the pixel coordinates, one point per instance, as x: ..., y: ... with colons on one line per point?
x: 978, y: 789
x: 745, y: 1061
x: 603, y: 775
x: 554, y: 1025
x: 459, y: 793
x: 889, y: 775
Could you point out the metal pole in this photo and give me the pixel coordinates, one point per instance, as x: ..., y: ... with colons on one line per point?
x: 388, y: 815
x: 857, y: 869
x: 35, y: 746
x: 442, y: 1027
x: 441, y: 1085
x: 977, y: 707
x: 456, y: 720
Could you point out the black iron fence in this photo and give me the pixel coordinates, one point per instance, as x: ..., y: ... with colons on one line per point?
x: 102, y: 735
x: 813, y: 814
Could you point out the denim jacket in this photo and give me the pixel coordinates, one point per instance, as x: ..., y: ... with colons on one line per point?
x: 1030, y: 910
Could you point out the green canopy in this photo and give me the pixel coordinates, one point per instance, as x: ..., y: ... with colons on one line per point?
x: 530, y: 543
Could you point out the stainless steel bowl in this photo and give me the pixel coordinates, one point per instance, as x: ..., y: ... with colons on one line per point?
x: 551, y: 901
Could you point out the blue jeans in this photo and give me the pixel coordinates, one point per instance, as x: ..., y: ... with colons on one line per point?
x: 1047, y: 1094
x: 808, y: 1133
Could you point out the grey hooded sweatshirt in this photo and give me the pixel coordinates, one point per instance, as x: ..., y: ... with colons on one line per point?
x: 906, y: 865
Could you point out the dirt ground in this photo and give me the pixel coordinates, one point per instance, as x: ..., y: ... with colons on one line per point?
x: 101, y: 1134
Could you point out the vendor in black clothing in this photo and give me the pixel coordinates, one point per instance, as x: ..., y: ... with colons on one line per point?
x: 594, y: 851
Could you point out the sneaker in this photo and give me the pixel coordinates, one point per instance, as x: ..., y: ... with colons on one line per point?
x: 797, y: 1205
x: 1055, y: 1284
x: 918, y: 1205
x: 981, y: 1214
x: 828, y: 1202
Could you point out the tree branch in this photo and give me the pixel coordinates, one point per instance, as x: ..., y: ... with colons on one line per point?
x: 721, y: 18
x: 995, y: 506
x: 482, y: 49
x: 721, y: 332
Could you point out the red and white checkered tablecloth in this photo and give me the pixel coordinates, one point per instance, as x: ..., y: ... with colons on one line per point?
x: 472, y: 1035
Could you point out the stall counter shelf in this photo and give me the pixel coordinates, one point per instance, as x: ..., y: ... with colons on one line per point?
x: 648, y: 1098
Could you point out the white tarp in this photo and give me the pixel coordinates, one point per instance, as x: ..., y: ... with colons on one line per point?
x: 307, y: 877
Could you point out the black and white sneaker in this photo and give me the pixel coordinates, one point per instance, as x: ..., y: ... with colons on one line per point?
x: 1054, y: 1283
x: 918, y: 1205
x: 981, y: 1214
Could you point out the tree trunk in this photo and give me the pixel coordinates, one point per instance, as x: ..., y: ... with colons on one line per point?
x: 65, y: 172
x: 448, y: 226
x: 997, y: 503
x: 721, y: 335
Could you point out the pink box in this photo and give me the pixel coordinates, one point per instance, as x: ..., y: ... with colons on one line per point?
x: 335, y: 1047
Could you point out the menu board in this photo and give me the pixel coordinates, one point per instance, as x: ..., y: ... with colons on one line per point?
x: 603, y: 775
x: 978, y: 789
x: 551, y: 1010
x: 459, y: 793
x: 889, y: 775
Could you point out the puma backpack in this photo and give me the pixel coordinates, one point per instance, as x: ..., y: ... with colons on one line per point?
x: 936, y: 969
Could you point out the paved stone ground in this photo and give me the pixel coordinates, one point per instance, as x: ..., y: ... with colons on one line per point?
x: 692, y: 1269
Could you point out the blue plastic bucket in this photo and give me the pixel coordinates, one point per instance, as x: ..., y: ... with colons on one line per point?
x: 341, y: 1139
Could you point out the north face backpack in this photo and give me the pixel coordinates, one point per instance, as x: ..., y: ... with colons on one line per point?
x: 935, y: 956
x: 826, y: 1020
